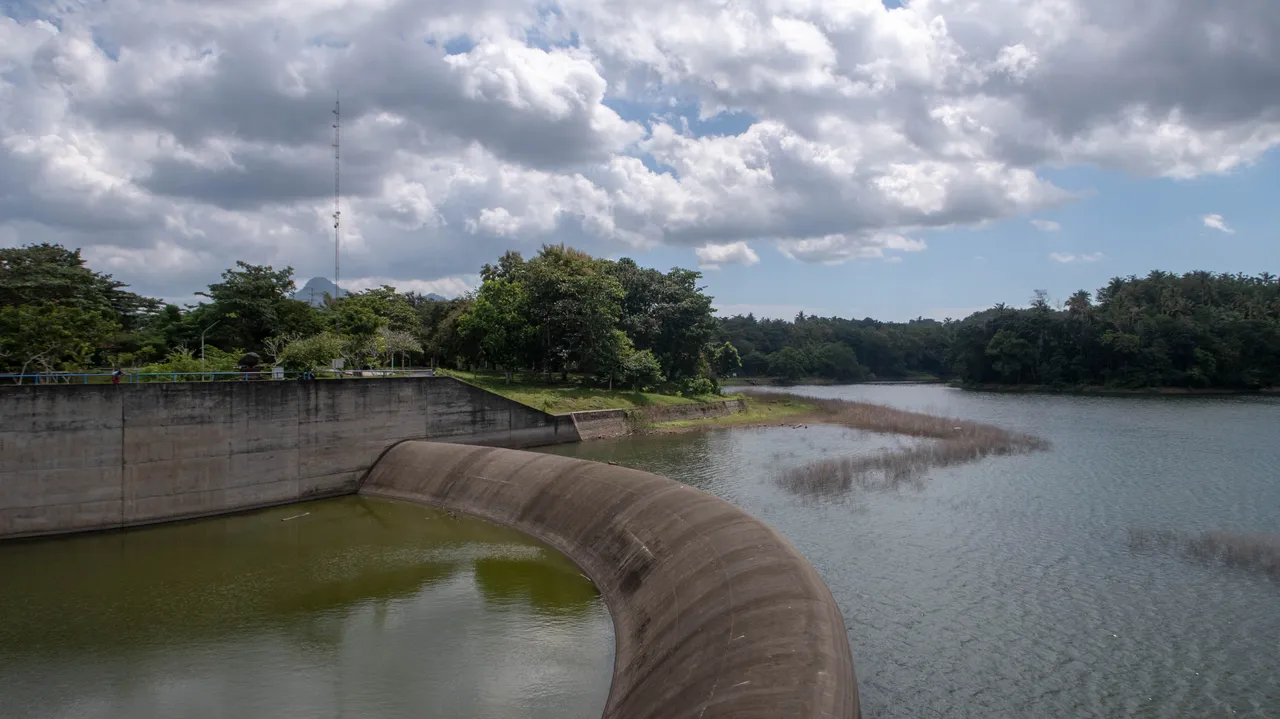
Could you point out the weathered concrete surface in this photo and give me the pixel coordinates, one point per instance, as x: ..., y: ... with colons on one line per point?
x: 597, y: 424
x: 716, y: 615
x: 101, y: 456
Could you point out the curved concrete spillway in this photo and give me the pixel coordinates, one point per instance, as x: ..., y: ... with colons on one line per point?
x: 715, y: 614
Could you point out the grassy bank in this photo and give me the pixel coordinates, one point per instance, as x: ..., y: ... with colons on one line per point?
x: 763, y: 410
x: 570, y: 396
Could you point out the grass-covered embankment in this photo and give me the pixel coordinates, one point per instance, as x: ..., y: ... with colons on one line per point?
x: 763, y: 410
x: 569, y: 396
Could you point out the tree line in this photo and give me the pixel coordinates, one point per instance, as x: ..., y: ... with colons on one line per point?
x: 563, y: 313
x: 560, y: 312
x: 1196, y: 330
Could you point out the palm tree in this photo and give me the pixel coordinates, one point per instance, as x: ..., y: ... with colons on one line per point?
x: 1079, y: 303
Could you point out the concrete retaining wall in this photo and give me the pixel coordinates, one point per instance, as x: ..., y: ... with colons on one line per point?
x: 715, y: 614
x: 596, y: 424
x: 100, y: 456
x: 600, y: 423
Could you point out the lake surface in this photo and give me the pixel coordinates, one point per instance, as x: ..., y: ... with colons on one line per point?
x: 1012, y: 587
x: 351, y: 607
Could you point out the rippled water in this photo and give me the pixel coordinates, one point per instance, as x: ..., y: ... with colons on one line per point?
x: 352, y: 607
x: 1010, y: 587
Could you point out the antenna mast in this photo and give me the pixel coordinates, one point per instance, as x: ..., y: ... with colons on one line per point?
x: 337, y: 195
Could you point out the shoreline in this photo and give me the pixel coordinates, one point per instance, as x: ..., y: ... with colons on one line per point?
x: 1100, y: 391
x: 820, y: 382
x: 758, y: 412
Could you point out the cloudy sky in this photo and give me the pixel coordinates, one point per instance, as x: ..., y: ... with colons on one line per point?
x: 852, y: 157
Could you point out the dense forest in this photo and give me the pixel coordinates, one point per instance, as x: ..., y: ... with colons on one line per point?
x: 563, y: 313
x: 1196, y: 330
x: 1163, y: 330
x: 838, y: 349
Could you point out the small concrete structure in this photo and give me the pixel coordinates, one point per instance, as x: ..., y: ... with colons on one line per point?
x: 101, y: 457
x: 716, y: 615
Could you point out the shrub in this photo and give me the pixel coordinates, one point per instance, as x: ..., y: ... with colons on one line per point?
x: 183, y: 360
x: 312, y: 353
x: 641, y: 369
x: 698, y: 387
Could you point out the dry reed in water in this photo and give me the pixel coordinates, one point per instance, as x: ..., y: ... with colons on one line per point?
x: 945, y: 442
x: 1256, y: 552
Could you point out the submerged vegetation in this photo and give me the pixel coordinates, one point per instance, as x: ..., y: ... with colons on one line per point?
x: 932, y: 440
x: 939, y: 442
x: 1256, y: 552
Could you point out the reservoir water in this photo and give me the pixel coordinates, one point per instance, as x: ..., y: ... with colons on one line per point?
x: 1021, y: 586
x: 350, y: 607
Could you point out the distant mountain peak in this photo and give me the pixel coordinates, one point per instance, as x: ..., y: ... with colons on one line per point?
x: 316, y: 288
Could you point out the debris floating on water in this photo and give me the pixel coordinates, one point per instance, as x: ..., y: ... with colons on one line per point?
x: 296, y: 516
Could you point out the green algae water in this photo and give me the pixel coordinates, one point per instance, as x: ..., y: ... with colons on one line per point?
x: 352, y: 607
x: 1030, y: 586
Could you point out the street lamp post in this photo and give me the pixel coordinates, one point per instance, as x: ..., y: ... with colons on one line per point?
x: 206, y: 329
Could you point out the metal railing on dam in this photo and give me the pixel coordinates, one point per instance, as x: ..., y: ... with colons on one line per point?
x: 135, y: 377
x: 716, y: 615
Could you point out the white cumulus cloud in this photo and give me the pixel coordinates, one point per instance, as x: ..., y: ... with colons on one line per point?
x: 1067, y: 257
x: 1046, y: 225
x: 448, y: 287
x: 1216, y: 222
x: 171, y: 137
x: 734, y: 253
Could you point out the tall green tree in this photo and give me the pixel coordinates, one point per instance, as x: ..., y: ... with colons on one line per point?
x: 725, y: 359
x: 47, y: 336
x: 576, y: 305
x: 788, y: 363
x: 499, y: 323
x: 392, y: 308
x: 666, y: 313
x: 57, y: 314
x: 251, y: 304
x: 52, y: 273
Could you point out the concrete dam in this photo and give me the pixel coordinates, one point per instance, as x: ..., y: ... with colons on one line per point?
x: 715, y: 613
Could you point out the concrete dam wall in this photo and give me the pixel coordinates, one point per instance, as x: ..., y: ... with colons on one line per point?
x: 715, y: 614
x: 101, y: 456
